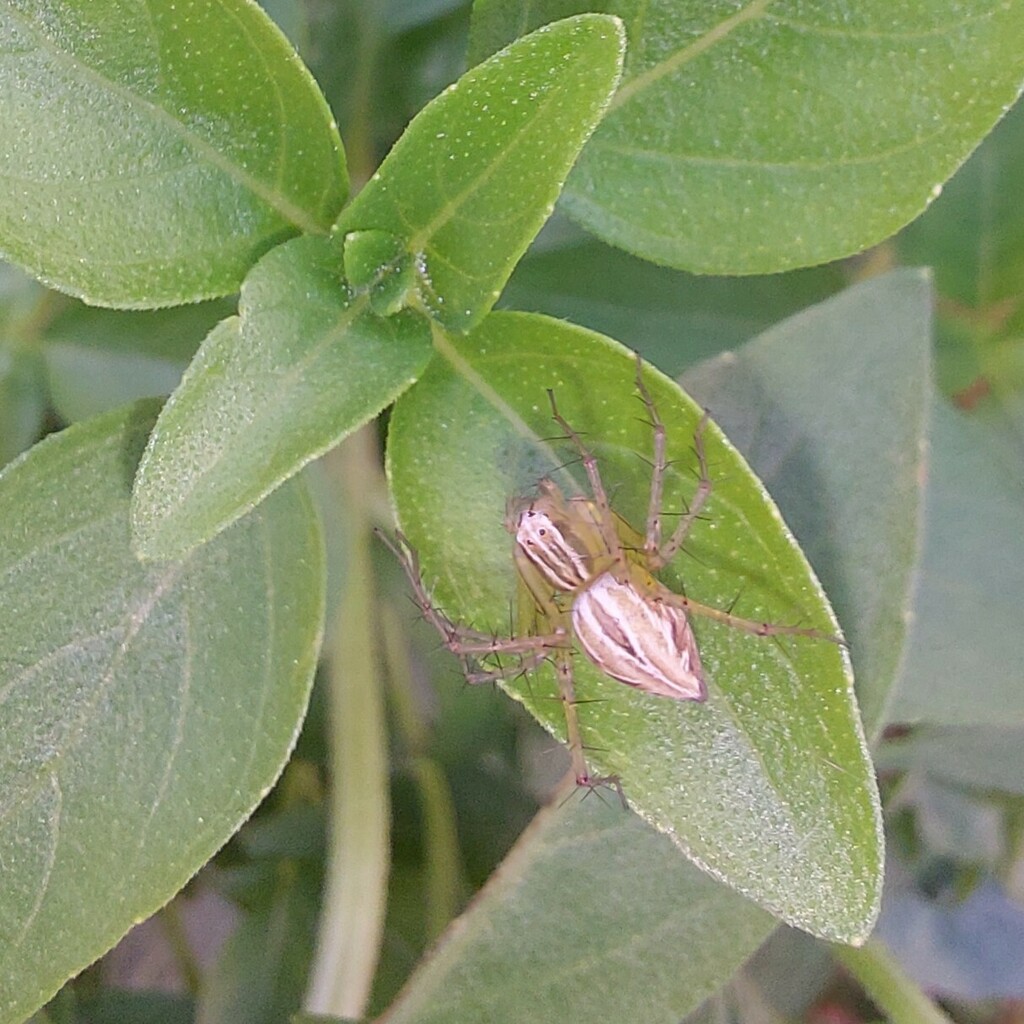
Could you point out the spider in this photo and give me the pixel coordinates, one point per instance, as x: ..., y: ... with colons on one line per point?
x: 588, y: 579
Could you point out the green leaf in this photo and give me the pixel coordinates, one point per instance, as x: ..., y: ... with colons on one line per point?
x: 966, y: 647
x: 476, y: 174
x: 601, y: 915
x: 146, y: 709
x: 756, y: 137
x: 303, y: 366
x: 153, y: 153
x: 377, y: 262
x: 768, y: 784
x: 832, y: 409
x: 779, y: 983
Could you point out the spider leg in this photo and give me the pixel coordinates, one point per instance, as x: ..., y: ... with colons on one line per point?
x: 664, y: 554
x: 468, y: 644
x: 607, y: 520
x: 574, y: 738
x: 652, y: 533
x: 567, y: 694
x: 656, y: 552
x: 754, y: 626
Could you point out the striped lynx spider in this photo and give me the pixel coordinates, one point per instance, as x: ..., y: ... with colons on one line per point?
x: 591, y: 580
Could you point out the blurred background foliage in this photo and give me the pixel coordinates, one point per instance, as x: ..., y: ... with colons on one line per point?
x: 470, y: 768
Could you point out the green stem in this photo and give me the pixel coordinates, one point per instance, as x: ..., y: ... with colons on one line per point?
x: 890, y: 989
x: 352, y: 918
x: 359, y: 136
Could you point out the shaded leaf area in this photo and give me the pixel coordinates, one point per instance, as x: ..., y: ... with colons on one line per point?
x: 261, y: 974
x: 96, y: 359
x: 768, y: 784
x: 145, y: 710
x: 115, y: 1006
x: 973, y: 236
x: 832, y: 410
x: 377, y: 64
x: 22, y: 400
x: 303, y: 365
x: 23, y: 385
x: 113, y: 112
x: 827, y: 127
x: 675, y: 319
x: 983, y: 757
x: 59, y: 355
x: 477, y: 172
x: 966, y: 648
x: 778, y: 983
x: 603, y: 917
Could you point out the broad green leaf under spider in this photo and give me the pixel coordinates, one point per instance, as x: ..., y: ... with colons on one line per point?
x: 767, y: 785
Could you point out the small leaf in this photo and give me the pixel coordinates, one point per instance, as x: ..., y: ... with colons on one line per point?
x: 303, y: 366
x: 768, y: 784
x: 650, y: 949
x: 377, y: 261
x: 477, y: 172
x: 146, y: 710
x: 152, y: 153
x: 756, y: 137
x: 832, y: 410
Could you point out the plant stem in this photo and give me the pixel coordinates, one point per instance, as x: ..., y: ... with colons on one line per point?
x: 352, y: 918
x: 895, y: 994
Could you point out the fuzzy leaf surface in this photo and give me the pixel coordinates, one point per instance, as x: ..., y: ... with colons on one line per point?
x: 477, y: 172
x: 153, y: 152
x: 764, y: 135
x: 303, y: 365
x: 767, y: 785
x: 146, y: 710
x: 603, y: 916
